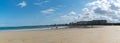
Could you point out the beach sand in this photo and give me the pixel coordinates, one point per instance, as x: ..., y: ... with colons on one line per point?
x: 102, y: 34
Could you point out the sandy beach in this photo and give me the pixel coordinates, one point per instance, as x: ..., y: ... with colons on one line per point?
x: 102, y: 34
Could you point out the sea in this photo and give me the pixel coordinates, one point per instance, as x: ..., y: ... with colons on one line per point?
x: 24, y: 28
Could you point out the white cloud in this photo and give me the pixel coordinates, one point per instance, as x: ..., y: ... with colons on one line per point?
x: 48, y: 11
x: 100, y: 10
x: 72, y: 16
x: 72, y: 13
x: 41, y: 3
x: 22, y: 4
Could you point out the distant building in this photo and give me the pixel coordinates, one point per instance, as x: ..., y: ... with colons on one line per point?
x: 99, y: 22
x: 93, y: 22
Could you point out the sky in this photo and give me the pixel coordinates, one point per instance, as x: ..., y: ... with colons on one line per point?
x: 45, y: 12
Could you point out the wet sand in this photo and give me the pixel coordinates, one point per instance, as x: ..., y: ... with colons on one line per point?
x: 103, y: 34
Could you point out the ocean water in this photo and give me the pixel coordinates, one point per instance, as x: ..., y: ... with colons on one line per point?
x: 31, y: 28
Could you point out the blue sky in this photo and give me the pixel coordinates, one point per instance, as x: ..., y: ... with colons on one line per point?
x: 43, y: 12
x: 36, y: 12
